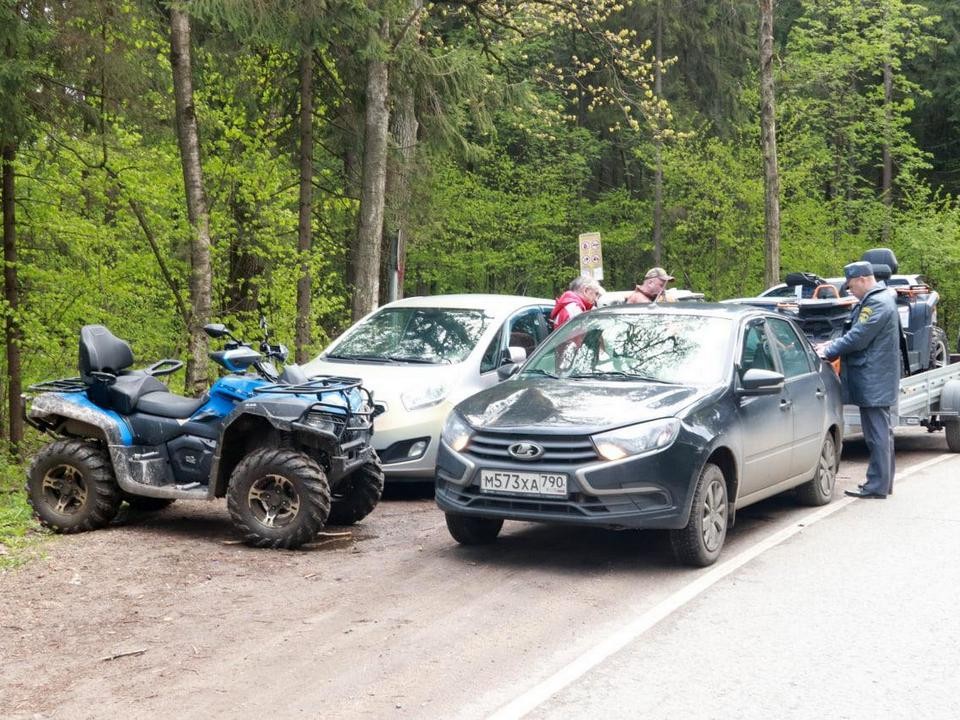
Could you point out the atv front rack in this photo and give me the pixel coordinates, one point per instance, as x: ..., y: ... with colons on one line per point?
x: 315, y: 386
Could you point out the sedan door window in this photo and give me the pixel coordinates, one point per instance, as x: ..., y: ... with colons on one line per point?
x: 791, y: 349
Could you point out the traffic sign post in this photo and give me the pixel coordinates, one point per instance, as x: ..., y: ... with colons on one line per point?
x: 591, y: 255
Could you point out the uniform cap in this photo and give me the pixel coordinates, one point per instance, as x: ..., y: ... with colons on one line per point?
x: 857, y: 269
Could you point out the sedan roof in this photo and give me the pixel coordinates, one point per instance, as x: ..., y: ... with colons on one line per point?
x: 728, y: 310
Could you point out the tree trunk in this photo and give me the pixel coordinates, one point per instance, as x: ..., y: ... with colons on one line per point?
x: 768, y: 134
x: 366, y: 256
x: 658, y: 146
x: 406, y: 126
x: 12, y: 296
x: 189, y: 141
x: 245, y: 263
x: 887, y: 178
x: 304, y: 233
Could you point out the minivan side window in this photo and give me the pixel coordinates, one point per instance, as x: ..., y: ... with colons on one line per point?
x: 491, y: 356
x: 792, y: 351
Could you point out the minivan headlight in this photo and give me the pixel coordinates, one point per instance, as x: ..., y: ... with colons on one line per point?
x: 423, y: 397
x: 456, y: 433
x: 637, y: 439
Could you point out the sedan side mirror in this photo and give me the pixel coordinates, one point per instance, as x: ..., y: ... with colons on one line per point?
x: 513, y: 354
x: 760, y: 382
x: 507, y: 370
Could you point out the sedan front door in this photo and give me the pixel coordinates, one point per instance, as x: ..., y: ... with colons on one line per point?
x: 766, y: 423
x: 807, y: 395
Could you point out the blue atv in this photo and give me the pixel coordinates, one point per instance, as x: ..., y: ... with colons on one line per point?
x: 290, y: 454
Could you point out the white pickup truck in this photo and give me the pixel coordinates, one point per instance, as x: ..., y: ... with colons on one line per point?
x: 929, y: 399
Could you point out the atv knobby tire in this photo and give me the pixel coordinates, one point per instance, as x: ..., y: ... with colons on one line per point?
x: 278, y: 498
x: 939, y: 354
x: 142, y: 503
x: 71, y: 487
x: 357, y: 495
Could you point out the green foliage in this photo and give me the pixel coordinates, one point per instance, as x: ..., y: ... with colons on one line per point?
x: 19, y: 533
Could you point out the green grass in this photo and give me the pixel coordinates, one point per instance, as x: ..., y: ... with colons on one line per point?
x: 19, y: 533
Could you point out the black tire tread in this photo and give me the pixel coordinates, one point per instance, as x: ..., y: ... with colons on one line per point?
x: 809, y: 493
x: 952, y: 431
x: 360, y: 495
x: 98, y: 475
x: 314, y: 490
x: 938, y: 339
x: 687, y: 542
x: 468, y: 530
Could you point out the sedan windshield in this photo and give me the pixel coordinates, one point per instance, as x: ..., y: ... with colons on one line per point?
x: 666, y: 348
x: 413, y: 335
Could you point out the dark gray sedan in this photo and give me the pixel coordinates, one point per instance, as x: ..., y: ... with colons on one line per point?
x: 646, y: 417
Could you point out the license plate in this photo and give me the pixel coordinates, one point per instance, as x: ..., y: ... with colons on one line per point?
x: 523, y: 483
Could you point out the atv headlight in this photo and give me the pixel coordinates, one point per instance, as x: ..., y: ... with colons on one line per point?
x: 637, y: 439
x: 456, y: 433
x: 423, y: 397
x: 319, y: 421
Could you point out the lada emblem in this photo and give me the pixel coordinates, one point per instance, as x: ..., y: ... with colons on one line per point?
x: 525, y: 451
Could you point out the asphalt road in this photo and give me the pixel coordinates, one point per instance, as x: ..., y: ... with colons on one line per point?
x: 165, y: 617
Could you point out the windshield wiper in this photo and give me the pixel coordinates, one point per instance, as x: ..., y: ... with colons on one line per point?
x: 418, y: 360
x: 367, y: 358
x: 619, y: 375
x: 539, y: 371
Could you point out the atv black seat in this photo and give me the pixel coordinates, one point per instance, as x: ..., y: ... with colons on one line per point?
x: 881, y: 256
x: 168, y: 405
x: 882, y: 271
x: 103, y: 352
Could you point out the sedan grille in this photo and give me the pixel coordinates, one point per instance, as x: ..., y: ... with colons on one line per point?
x: 557, y: 449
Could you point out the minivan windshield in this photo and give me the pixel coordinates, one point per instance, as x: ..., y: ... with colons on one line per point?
x: 413, y: 335
x: 659, y: 347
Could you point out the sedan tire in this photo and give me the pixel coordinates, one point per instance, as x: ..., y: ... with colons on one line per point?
x: 819, y: 489
x: 700, y: 542
x: 473, y: 530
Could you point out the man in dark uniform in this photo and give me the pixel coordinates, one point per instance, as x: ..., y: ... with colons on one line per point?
x: 869, y: 355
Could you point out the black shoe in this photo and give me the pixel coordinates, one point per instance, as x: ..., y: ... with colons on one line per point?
x: 860, y: 487
x: 864, y: 494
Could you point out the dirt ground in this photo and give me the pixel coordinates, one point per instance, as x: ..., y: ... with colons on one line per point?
x: 166, y: 615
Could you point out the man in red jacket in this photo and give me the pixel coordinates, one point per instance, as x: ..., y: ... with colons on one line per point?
x: 581, y: 296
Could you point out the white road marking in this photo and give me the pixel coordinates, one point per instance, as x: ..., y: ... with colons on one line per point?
x: 540, y: 693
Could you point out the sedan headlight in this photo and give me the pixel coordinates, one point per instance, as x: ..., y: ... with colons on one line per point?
x: 418, y: 398
x: 637, y: 439
x: 456, y: 433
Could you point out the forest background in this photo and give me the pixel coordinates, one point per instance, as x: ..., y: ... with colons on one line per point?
x: 169, y: 164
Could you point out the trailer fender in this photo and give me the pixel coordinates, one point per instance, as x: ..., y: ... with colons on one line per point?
x: 950, y: 400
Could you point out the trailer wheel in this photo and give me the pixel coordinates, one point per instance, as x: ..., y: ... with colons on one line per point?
x: 952, y: 429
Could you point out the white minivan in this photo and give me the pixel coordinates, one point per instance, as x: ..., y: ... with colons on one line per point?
x: 420, y: 356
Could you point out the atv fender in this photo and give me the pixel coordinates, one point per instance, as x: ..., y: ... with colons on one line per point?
x: 267, y: 421
x: 75, y: 415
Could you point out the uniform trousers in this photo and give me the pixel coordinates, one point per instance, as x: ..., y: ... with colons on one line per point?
x: 877, y: 427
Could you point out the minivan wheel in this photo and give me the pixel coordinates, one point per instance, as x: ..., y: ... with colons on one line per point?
x: 700, y: 542
x: 473, y: 530
x: 819, y: 489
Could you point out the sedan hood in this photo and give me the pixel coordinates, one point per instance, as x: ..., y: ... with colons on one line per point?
x: 387, y: 380
x: 545, y: 405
